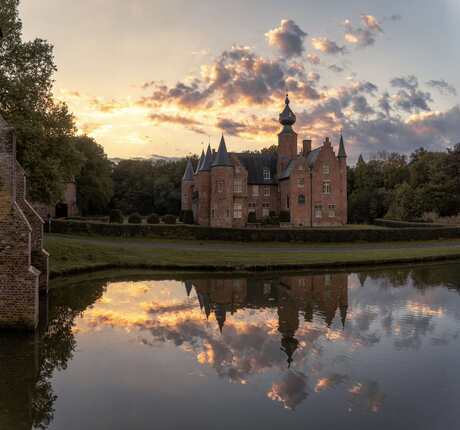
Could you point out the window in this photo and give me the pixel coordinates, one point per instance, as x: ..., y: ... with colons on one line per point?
x: 251, y: 207
x: 238, y: 186
x: 326, y: 169
x: 301, y: 199
x: 266, y: 191
x: 267, y: 175
x: 265, y: 210
x: 228, y: 213
x: 326, y: 187
x: 255, y: 190
x: 318, y: 211
x: 301, y: 182
x: 220, y: 186
x: 213, y: 213
x: 237, y: 211
x: 331, y: 211
x: 327, y: 279
x: 287, y: 202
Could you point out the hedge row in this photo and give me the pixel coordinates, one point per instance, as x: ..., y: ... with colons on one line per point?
x: 181, y: 231
x: 405, y: 224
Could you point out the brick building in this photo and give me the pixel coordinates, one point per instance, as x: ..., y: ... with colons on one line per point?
x: 23, y: 262
x: 309, y: 188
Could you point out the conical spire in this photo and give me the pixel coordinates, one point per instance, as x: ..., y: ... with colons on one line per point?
x: 207, y: 162
x: 342, y: 153
x: 188, y: 175
x: 222, y: 158
x: 361, y: 159
x: 188, y: 287
x: 343, y: 314
x: 287, y: 117
x: 200, y: 161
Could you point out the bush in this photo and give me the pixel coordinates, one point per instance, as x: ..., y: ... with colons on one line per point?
x: 169, y: 219
x: 285, y: 216
x: 271, y: 220
x: 252, y: 219
x: 187, y: 217
x: 135, y: 218
x: 153, y: 219
x: 116, y: 217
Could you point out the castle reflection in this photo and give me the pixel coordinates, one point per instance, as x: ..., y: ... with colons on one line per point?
x: 313, y: 296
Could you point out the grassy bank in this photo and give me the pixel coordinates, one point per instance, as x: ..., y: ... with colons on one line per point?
x: 77, y: 254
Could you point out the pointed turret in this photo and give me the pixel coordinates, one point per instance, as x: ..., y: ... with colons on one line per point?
x: 289, y: 346
x: 188, y: 287
x: 222, y: 158
x: 361, y: 159
x: 188, y: 175
x: 207, y: 162
x: 343, y: 314
x: 221, y: 315
x: 342, y: 153
x: 200, y: 162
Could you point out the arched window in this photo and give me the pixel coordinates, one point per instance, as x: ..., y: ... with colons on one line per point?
x: 301, y: 199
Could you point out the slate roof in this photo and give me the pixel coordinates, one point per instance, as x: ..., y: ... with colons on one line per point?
x: 208, y: 160
x: 222, y: 158
x: 311, y: 159
x: 200, y: 161
x: 342, y: 153
x: 188, y: 175
x: 255, y: 164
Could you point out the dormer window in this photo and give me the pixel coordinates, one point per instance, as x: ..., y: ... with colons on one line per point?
x: 267, y: 175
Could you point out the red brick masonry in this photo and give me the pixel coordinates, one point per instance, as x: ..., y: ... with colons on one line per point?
x: 23, y: 262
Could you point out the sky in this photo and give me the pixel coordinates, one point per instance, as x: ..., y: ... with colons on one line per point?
x: 164, y: 77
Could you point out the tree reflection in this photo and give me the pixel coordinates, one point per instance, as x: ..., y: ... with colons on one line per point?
x: 27, y: 361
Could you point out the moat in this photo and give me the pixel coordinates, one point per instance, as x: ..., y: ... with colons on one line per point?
x: 372, y: 349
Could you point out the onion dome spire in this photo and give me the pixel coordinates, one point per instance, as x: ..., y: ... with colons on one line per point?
x: 287, y: 117
x: 188, y: 175
x: 222, y: 158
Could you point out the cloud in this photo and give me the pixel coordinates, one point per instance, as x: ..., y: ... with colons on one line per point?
x: 187, y: 122
x: 327, y: 46
x: 410, y: 98
x: 443, y: 87
x: 363, y: 36
x: 255, y: 126
x: 335, y: 68
x: 287, y: 38
x: 313, y: 59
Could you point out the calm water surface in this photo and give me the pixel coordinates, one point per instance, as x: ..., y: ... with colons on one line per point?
x: 377, y: 349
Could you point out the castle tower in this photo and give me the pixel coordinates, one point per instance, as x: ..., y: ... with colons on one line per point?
x: 187, y: 187
x: 222, y: 188
x: 342, y: 157
x: 204, y: 188
x: 287, y: 138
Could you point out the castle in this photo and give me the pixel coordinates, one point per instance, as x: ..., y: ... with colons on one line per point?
x: 305, y: 189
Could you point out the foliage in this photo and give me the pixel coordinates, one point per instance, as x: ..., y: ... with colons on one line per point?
x: 146, y: 187
x: 135, y: 218
x: 94, y: 182
x: 252, y: 217
x: 187, y: 217
x: 169, y: 219
x: 116, y: 216
x: 44, y: 127
x: 153, y: 219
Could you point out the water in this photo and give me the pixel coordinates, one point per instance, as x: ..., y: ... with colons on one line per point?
x: 377, y: 349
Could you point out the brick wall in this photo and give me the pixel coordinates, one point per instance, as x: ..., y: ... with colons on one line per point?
x: 19, y: 280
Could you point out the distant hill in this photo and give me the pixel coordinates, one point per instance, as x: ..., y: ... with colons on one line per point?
x: 153, y: 158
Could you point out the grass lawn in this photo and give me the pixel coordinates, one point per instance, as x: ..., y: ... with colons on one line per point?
x: 74, y: 254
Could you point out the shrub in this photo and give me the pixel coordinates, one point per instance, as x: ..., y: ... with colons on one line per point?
x: 285, y: 216
x: 135, y: 218
x: 153, y: 219
x: 271, y: 220
x: 116, y: 217
x: 252, y: 217
x: 272, y: 214
x: 169, y: 219
x: 187, y: 217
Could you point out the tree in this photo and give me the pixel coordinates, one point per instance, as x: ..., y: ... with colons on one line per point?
x: 44, y: 128
x: 94, y: 182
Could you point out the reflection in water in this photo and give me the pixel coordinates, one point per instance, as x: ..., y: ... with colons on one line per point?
x: 365, y: 347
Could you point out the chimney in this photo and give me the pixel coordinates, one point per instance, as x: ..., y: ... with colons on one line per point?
x: 306, y: 147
